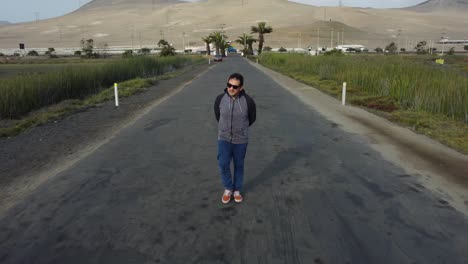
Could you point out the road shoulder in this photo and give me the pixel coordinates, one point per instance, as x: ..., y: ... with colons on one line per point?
x: 439, y: 168
x: 31, y: 158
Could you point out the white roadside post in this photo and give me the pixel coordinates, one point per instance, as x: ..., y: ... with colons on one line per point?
x: 209, y: 61
x: 116, y: 92
x: 343, y: 98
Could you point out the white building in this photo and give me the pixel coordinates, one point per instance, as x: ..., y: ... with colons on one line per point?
x: 347, y: 48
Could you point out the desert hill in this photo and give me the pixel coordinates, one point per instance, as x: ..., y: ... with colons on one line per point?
x: 441, y: 5
x: 122, y: 4
x: 141, y: 23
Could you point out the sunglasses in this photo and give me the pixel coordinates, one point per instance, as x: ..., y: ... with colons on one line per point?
x: 235, y: 87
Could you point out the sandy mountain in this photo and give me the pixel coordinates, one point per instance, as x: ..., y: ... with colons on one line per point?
x: 122, y: 4
x: 437, y: 5
x: 141, y: 23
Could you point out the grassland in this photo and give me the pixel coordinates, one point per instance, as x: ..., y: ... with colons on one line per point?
x: 32, y: 95
x: 410, y: 90
x: 31, y: 90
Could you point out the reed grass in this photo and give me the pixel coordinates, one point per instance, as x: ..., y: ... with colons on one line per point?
x: 413, y: 85
x: 27, y: 92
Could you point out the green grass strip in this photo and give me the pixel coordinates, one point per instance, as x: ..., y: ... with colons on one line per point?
x: 28, y: 92
x: 57, y: 111
x: 410, y: 90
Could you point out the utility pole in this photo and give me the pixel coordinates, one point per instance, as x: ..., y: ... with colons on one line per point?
x: 318, y: 38
x: 245, y: 41
x: 342, y: 37
x: 183, y: 42
x: 338, y: 37
x: 167, y: 15
x: 222, y: 30
x: 59, y: 26
x: 132, y: 34
x: 443, y: 43
x: 398, y: 41
x: 331, y: 38
x: 37, y: 16
x: 139, y: 36
x: 299, y: 40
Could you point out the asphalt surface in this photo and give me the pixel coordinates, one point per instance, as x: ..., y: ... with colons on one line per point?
x: 312, y: 194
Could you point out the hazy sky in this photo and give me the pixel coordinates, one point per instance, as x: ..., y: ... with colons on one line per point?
x: 28, y: 10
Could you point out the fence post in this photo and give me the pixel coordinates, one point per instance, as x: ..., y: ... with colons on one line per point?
x: 343, y: 97
x: 116, y: 92
x: 209, y: 61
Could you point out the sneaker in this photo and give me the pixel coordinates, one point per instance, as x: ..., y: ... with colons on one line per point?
x: 226, y: 196
x: 237, y: 197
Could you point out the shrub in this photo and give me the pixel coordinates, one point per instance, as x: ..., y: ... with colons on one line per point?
x: 33, y: 53
x: 50, y: 51
x: 282, y: 49
x: 451, y: 51
x: 333, y: 52
x: 392, y: 47
x: 127, y: 54
x: 247, y: 52
x: 144, y: 51
x: 421, y: 47
x: 167, y: 51
x: 87, y: 47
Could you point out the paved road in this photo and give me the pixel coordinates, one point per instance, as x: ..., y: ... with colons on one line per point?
x: 313, y: 194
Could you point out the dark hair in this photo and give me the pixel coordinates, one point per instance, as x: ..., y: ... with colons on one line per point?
x: 237, y: 76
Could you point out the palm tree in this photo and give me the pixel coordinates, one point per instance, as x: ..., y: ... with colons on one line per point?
x: 207, y: 40
x: 247, y: 41
x: 218, y: 39
x: 243, y: 40
x: 224, y: 46
x: 261, y: 29
x: 163, y: 42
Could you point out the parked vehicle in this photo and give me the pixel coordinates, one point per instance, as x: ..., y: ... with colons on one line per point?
x: 218, y: 57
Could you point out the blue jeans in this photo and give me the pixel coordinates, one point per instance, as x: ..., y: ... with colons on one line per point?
x: 227, y: 152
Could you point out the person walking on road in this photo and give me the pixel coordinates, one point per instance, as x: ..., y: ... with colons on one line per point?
x: 235, y: 112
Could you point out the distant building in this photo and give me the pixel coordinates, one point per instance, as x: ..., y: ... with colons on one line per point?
x: 445, y: 40
x: 351, y: 48
x: 201, y: 49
